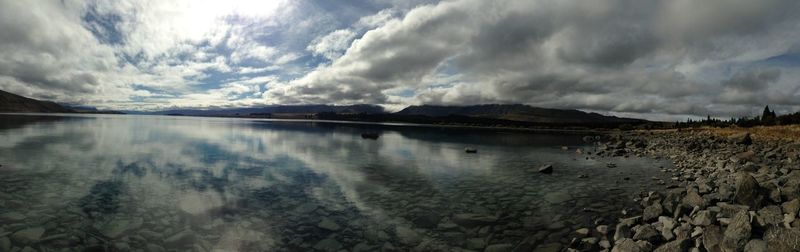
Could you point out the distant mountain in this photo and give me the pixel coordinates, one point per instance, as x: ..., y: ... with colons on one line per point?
x: 18, y: 104
x: 516, y: 112
x: 277, y: 109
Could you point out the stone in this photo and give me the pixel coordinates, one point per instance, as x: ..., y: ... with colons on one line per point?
x: 427, y: 220
x: 329, y: 245
x: 546, y: 169
x: 626, y: 245
x: 583, y: 232
x: 328, y: 224
x: 622, y: 231
x: 557, y: 197
x: 673, y: 246
x: 756, y: 245
x: 12, y: 216
x: 28, y: 236
x: 652, y: 212
x: 154, y: 248
x: 769, y: 215
x: 475, y: 243
x: 693, y: 199
x: 738, y: 232
x: 28, y: 249
x: 473, y: 220
x: 782, y: 239
x: 703, y: 218
x: 647, y: 233
x: 180, y: 239
x: 741, y: 138
x: 503, y: 247
x: 116, y: 227
x: 667, y: 224
x: 406, y: 235
x: 747, y: 191
x: 550, y: 247
x: 712, y: 237
x: 5, y: 244
x: 602, y: 229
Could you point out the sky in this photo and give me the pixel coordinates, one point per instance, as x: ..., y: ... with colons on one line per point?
x: 660, y: 59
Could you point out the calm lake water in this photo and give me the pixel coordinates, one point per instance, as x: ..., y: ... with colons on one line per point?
x: 157, y: 183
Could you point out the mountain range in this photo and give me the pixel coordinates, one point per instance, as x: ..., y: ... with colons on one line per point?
x: 504, y: 114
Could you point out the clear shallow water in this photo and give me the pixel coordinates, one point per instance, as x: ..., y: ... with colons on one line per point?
x: 205, y: 184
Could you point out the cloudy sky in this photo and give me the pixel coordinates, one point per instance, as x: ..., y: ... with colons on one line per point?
x: 653, y: 59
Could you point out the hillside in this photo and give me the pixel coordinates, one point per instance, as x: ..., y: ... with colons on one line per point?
x: 516, y: 112
x: 278, y: 109
x: 18, y: 104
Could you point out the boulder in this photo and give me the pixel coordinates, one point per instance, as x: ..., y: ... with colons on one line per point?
x: 712, y: 237
x: 738, y: 232
x: 747, y: 191
x: 741, y: 138
x: 646, y: 232
x: 627, y: 245
x: 769, y: 215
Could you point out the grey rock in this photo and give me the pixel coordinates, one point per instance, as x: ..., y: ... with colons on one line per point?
x: 674, y: 246
x: 756, y: 245
x: 748, y: 192
x: 154, y: 248
x: 5, y: 244
x: 475, y: 243
x: 741, y: 138
x: 627, y: 245
x: 622, y: 231
x: 602, y: 229
x: 769, y: 215
x: 782, y: 239
x: 473, y: 220
x: 28, y: 236
x: 693, y: 199
x: 503, y: 247
x: 180, y: 239
x: 646, y: 232
x: 550, y: 247
x: 328, y: 224
x: 12, y: 216
x: 653, y: 211
x: 407, y: 236
x: 712, y: 237
x: 703, y: 218
x: 557, y: 197
x: 738, y: 232
x: 329, y: 245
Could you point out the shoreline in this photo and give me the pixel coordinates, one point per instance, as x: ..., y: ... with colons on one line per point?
x: 730, y: 191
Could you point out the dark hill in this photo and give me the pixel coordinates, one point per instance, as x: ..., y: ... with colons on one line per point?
x: 516, y: 112
x: 18, y: 104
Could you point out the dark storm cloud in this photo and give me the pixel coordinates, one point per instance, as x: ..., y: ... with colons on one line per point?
x: 667, y: 57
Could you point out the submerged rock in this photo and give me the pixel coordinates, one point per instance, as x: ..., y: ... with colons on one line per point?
x: 328, y: 224
x: 546, y: 169
x: 180, y: 239
x: 28, y: 236
x: 329, y: 245
x: 473, y: 220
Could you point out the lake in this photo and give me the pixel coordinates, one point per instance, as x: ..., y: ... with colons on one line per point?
x: 160, y: 183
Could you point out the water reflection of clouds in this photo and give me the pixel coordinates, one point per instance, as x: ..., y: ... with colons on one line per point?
x: 202, y: 164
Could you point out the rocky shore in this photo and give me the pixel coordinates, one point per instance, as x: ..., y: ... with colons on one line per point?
x: 727, y: 193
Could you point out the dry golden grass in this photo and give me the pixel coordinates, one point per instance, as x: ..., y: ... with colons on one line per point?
x: 782, y: 133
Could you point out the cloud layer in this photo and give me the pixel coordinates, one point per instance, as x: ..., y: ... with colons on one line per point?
x: 657, y: 59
